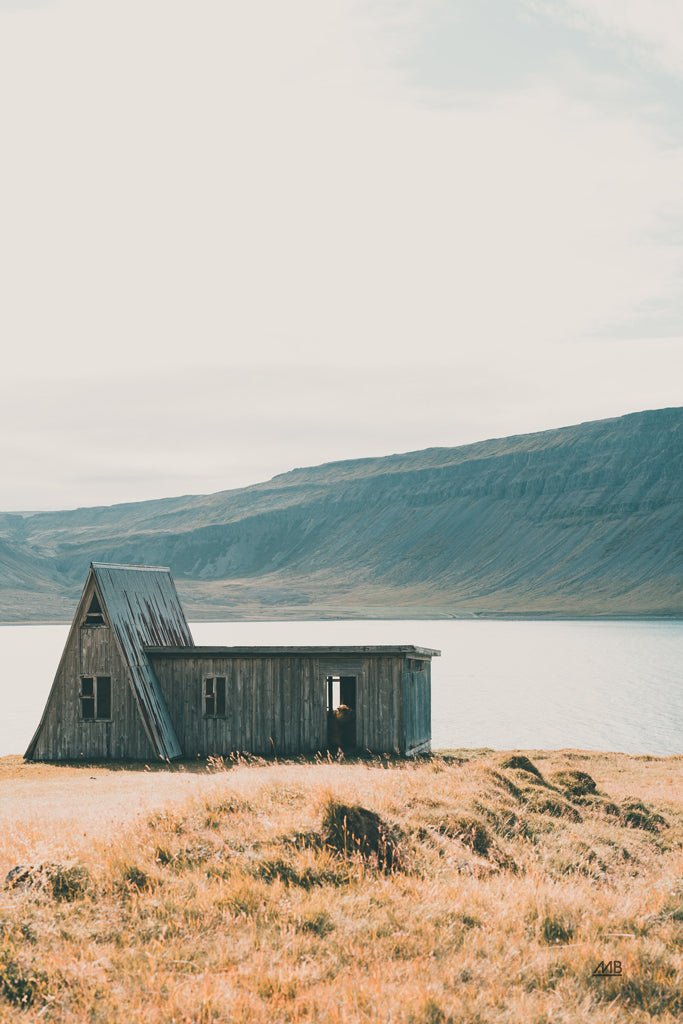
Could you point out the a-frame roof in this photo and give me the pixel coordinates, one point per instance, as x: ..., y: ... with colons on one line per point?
x: 143, y: 608
x: 141, y: 605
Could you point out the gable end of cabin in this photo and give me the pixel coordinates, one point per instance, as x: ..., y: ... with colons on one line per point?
x: 91, y: 713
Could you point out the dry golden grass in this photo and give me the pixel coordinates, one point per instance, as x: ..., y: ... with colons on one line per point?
x: 261, y: 893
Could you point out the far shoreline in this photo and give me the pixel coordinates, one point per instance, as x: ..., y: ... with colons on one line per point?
x: 471, y: 617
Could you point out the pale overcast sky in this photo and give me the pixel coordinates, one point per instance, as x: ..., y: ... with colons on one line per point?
x: 236, y: 238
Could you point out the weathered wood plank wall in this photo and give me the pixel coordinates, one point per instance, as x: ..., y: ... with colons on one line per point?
x: 274, y: 703
x: 91, y: 651
x: 278, y: 703
x: 417, y: 704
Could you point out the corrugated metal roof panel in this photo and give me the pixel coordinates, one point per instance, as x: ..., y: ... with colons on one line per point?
x: 143, y: 608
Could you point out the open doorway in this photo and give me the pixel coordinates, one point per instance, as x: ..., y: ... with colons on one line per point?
x: 341, y: 713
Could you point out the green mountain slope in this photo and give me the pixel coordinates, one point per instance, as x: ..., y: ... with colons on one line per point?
x: 584, y: 520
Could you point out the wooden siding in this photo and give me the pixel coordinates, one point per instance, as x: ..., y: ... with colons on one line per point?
x: 272, y: 704
x: 417, y: 704
x: 63, y: 735
x: 278, y: 704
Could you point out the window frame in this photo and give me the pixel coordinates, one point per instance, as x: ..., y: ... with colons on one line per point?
x: 215, y: 697
x: 96, y: 697
x: 94, y: 616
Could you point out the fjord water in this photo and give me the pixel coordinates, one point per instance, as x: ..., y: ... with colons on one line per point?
x: 597, y: 685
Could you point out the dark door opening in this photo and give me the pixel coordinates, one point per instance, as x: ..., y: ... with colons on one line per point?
x: 341, y: 713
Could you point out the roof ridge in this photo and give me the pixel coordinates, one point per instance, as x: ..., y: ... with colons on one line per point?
x: 138, y: 568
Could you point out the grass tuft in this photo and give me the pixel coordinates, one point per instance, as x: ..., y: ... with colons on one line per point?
x: 315, y: 922
x: 430, y: 1011
x: 552, y: 804
x: 578, y: 858
x: 555, y: 928
x: 520, y: 762
x: 574, y: 782
x: 352, y: 830
x: 133, y: 878
x: 56, y: 880
x: 21, y: 984
x: 305, y: 877
x: 635, y: 814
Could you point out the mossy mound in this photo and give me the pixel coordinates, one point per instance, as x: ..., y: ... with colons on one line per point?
x: 599, y: 805
x: 474, y: 834
x: 552, y: 804
x: 56, y: 880
x: 635, y: 814
x: 350, y: 829
x: 575, y: 783
x: 522, y: 763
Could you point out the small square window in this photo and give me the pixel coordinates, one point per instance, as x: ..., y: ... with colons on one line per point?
x: 95, y: 697
x: 214, y: 697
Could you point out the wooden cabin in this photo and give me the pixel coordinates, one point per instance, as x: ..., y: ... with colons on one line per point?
x: 132, y: 685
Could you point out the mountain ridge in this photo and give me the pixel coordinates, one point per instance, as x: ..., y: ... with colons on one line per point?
x: 578, y: 520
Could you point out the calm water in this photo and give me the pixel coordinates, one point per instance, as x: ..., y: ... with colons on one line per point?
x: 595, y: 685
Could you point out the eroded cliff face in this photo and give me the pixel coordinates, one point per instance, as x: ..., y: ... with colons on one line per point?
x: 586, y: 520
